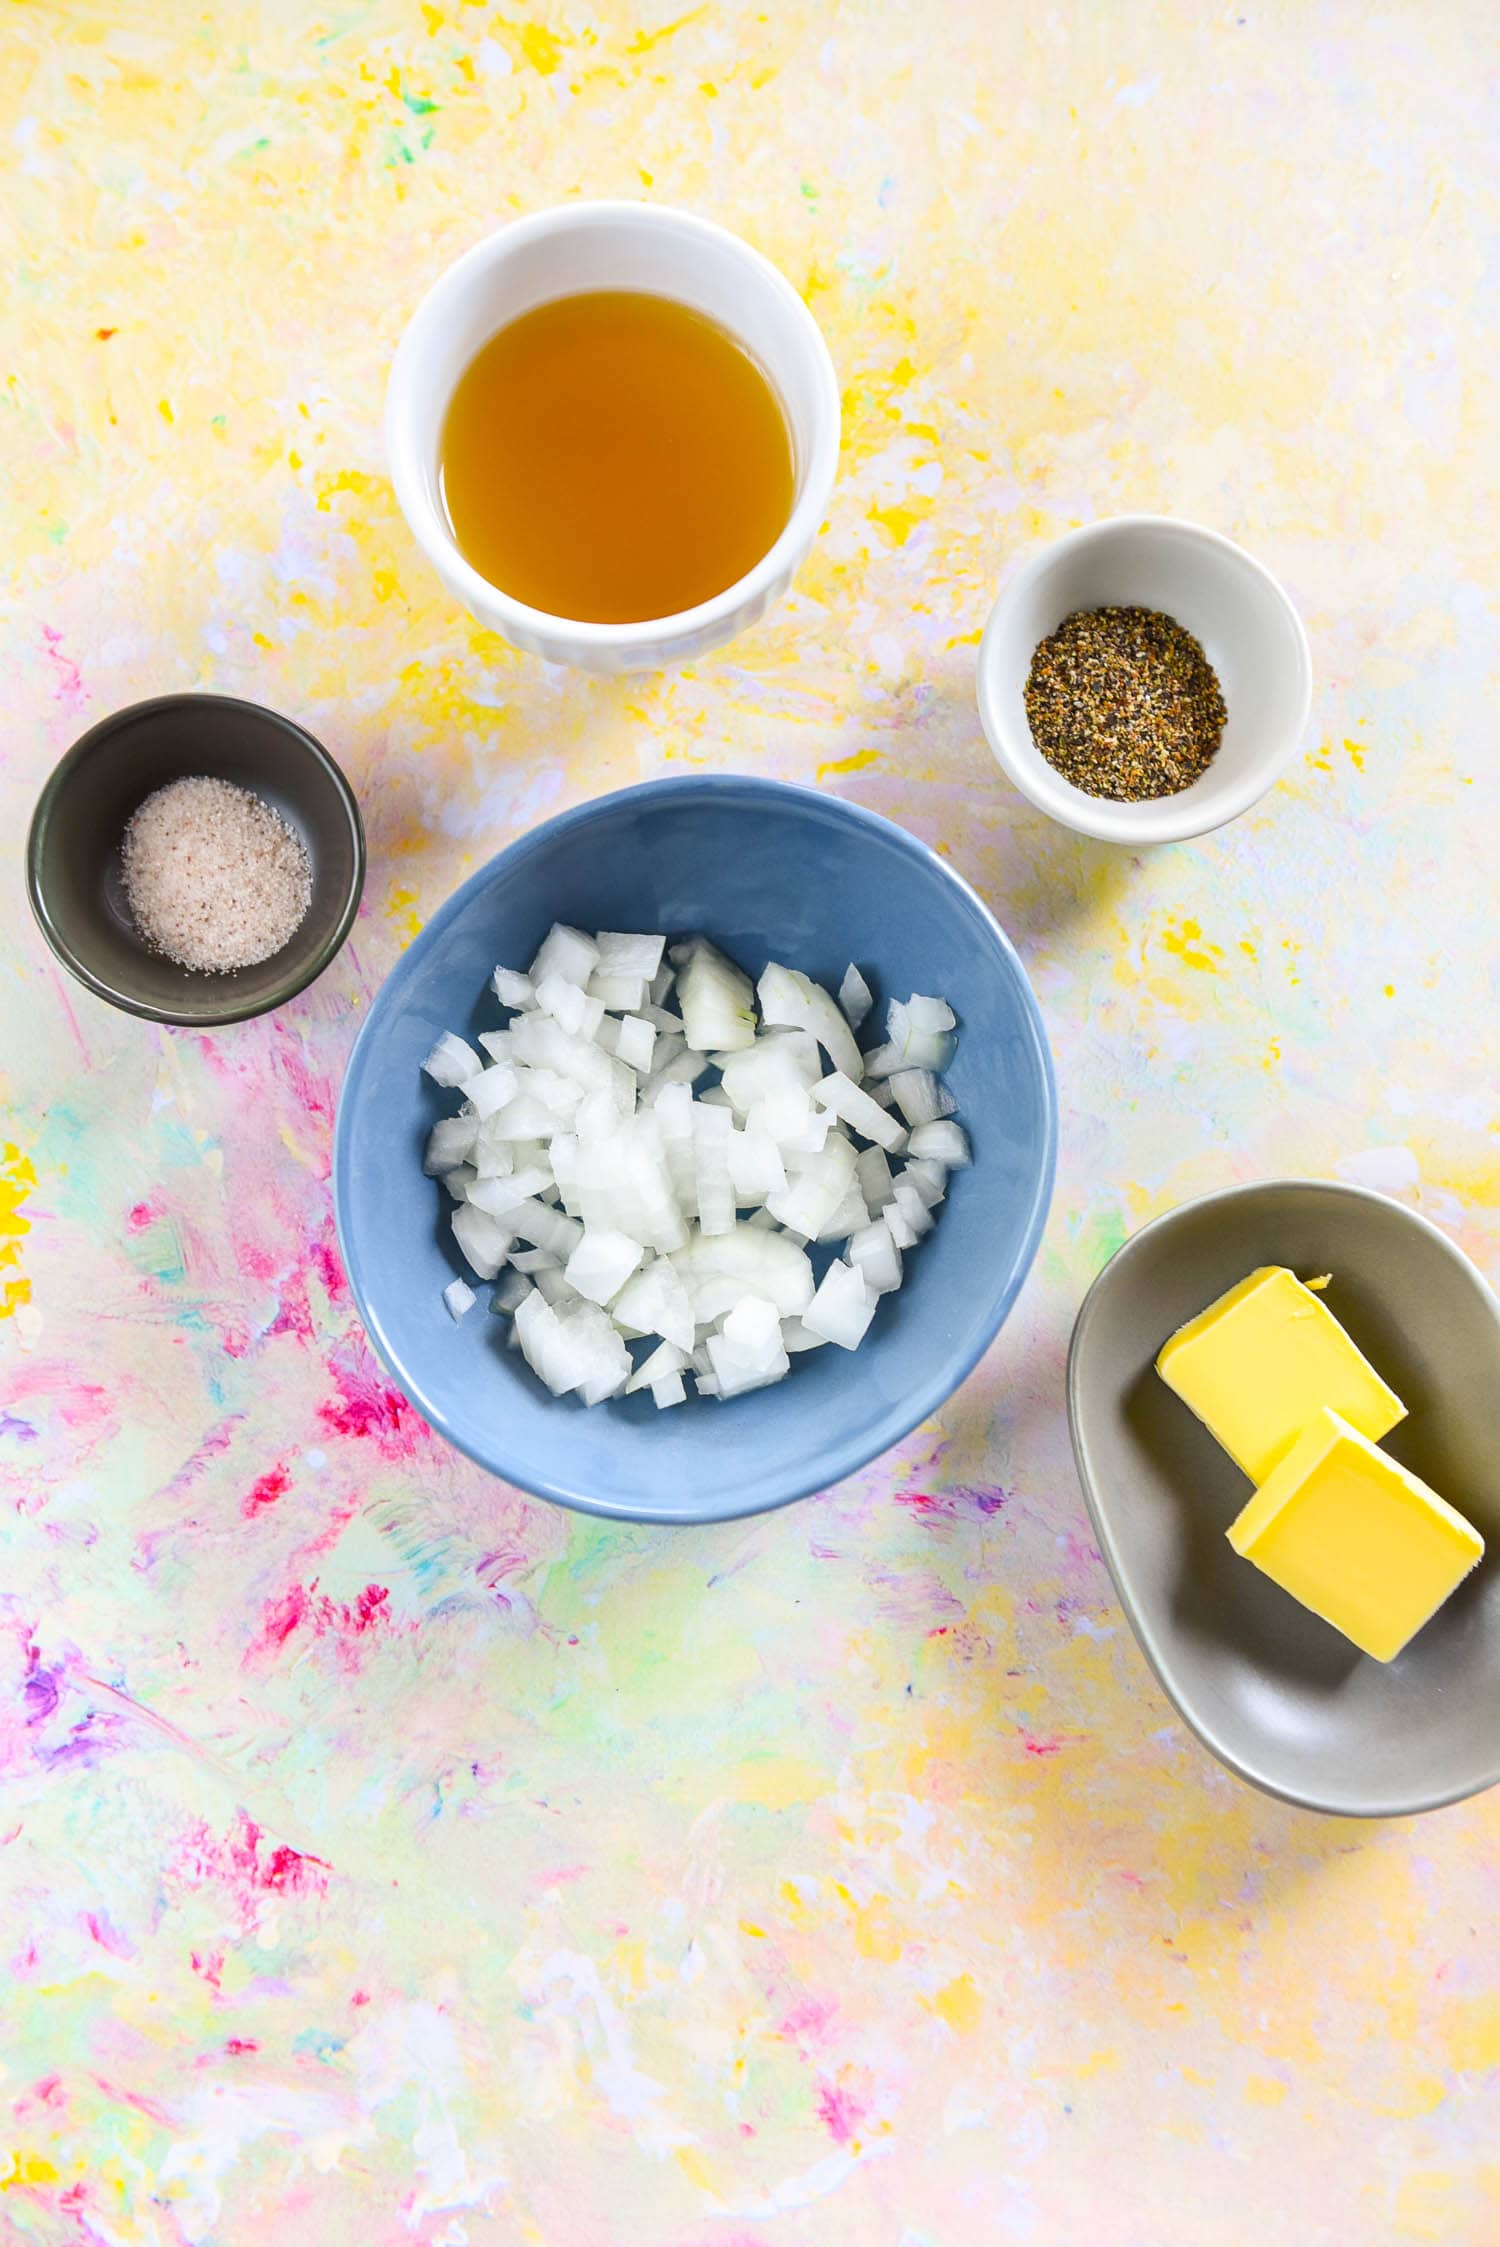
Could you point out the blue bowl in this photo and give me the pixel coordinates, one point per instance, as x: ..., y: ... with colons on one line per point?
x: 766, y: 870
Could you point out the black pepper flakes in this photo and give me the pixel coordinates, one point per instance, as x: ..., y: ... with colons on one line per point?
x: 1125, y: 704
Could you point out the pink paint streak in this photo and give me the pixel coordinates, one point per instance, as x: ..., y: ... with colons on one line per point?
x: 304, y: 1607
x: 68, y: 690
x: 840, y: 2112
x: 240, y: 1862
x: 265, y: 1491
x: 367, y: 1408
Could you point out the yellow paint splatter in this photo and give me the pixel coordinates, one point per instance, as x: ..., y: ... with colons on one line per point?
x: 959, y: 2004
x: 748, y: 1927
x: 855, y: 762
x: 541, y: 47
x: 1265, y: 2090
x: 27, y: 2169
x: 347, y: 480
x: 1188, y: 944
x: 165, y: 410
x: 1472, y: 2038
x: 17, y: 1178
x: 696, y: 2169
x: 899, y: 521
x: 644, y: 41
x: 401, y: 912
x: 966, y: 639
x: 1356, y: 750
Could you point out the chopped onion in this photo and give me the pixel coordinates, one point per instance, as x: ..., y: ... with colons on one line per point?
x: 942, y: 1142
x: 855, y: 996
x: 650, y: 1234
x: 843, y: 1307
x: 451, y: 1062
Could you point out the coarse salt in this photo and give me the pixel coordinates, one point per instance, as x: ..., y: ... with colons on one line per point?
x: 214, y: 878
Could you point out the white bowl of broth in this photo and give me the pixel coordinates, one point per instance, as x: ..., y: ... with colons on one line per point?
x: 613, y: 429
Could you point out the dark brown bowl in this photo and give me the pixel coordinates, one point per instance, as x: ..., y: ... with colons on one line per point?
x: 75, y: 879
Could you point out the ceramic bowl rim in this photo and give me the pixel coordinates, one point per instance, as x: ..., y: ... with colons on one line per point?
x: 306, y: 971
x: 1154, y: 821
x: 1244, y: 1767
x: 920, y: 1405
x: 478, y: 593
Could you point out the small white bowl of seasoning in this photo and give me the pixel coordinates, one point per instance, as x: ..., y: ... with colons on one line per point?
x: 1149, y: 728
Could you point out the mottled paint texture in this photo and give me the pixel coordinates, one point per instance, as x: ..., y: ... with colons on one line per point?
x: 386, y: 1858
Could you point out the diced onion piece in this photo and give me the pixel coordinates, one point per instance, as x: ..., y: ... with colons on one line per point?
x: 855, y: 996
x: 484, y: 1241
x: 797, y: 1336
x: 712, y: 1187
x: 665, y: 1360
x: 814, y: 1193
x: 451, y: 1062
x: 787, y: 995
x: 635, y: 1042
x: 501, y: 1195
x: 621, y: 954
x: 528, y: 1116
x: 747, y: 1352
x: 513, y: 989
x: 872, y: 1174
x: 459, y: 1297
x: 754, y: 1262
x: 942, y: 1142
x: 843, y: 1307
x: 894, y: 1219
x: 912, y: 1207
x: 457, y: 1182
x: 554, y: 1288
x: 877, y: 1256
x: 535, y: 1260
x: 449, y: 1143
x: 618, y: 994
x: 570, y: 1006
x: 929, y: 1016
x: 920, y: 1097
x: 513, y: 1290
x: 669, y: 1391
x: 566, y: 952
x: 546, y: 1228
x: 928, y: 1180
x: 601, y: 1264
x: 491, y: 1090
x: 860, y: 1112
x: 661, y: 1020
x: 851, y: 1216
x: 716, y: 1002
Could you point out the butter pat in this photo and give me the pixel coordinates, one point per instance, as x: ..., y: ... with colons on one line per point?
x: 1356, y: 1537
x: 1260, y: 1363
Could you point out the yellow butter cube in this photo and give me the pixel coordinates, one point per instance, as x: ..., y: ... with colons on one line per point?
x: 1356, y: 1537
x: 1258, y: 1364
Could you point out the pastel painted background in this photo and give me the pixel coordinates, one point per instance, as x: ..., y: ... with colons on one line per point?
x: 387, y: 1860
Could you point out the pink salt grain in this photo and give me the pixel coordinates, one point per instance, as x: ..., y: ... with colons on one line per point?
x: 214, y: 878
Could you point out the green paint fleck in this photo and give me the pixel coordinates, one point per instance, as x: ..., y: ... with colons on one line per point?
x: 217, y: 422
x: 809, y: 192
x: 419, y: 105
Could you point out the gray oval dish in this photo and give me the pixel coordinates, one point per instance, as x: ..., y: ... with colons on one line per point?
x: 1280, y: 1697
x: 73, y: 872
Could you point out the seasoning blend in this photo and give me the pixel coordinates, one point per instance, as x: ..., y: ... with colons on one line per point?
x: 1124, y: 703
x: 214, y: 878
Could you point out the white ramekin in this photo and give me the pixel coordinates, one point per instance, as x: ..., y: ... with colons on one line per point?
x: 622, y: 245
x: 1238, y: 613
